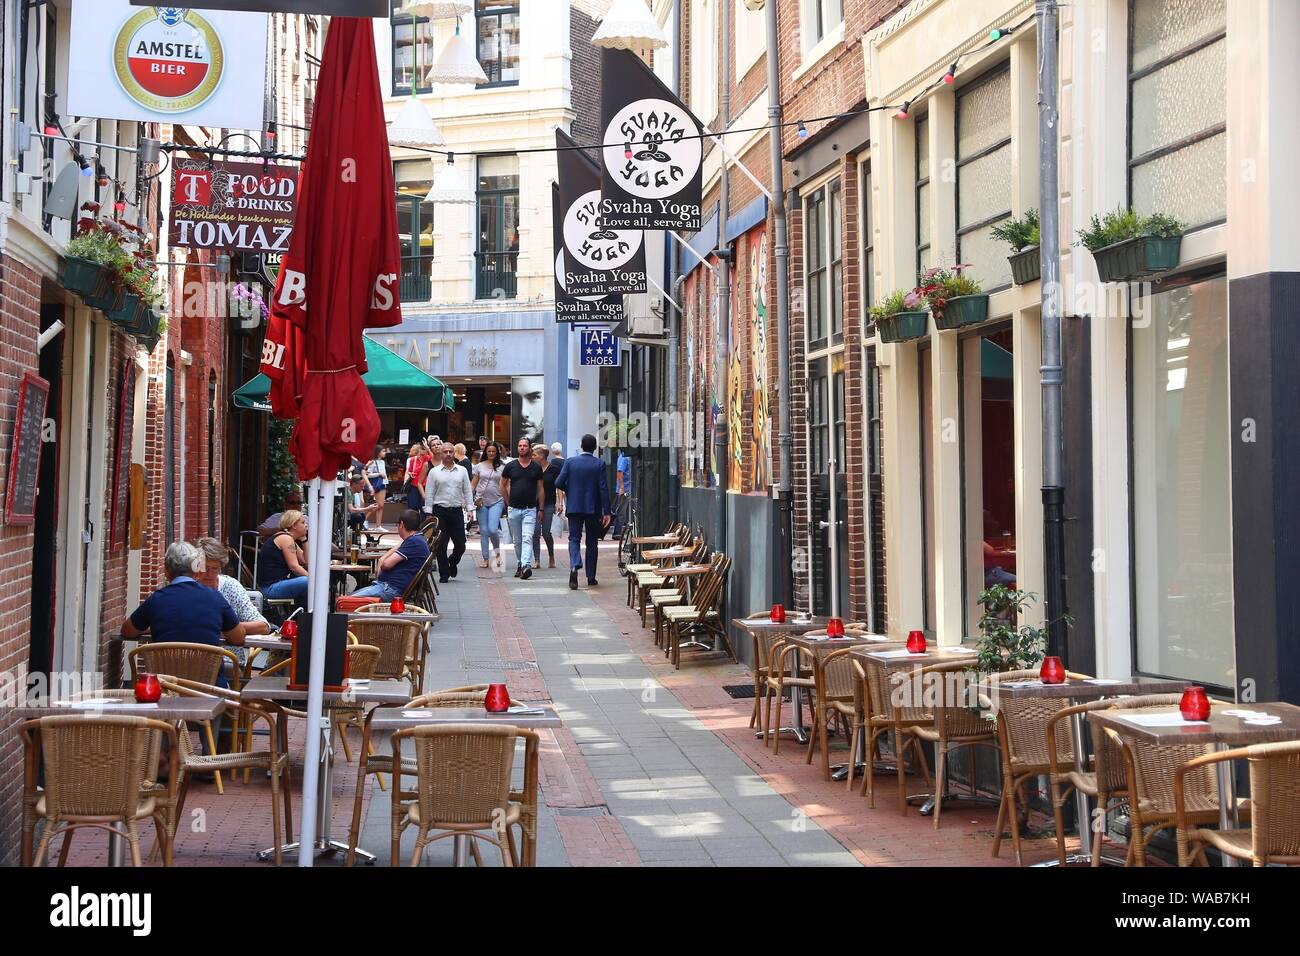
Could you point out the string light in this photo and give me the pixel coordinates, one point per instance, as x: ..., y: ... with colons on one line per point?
x: 904, y: 110
x: 119, y: 206
x: 627, y: 150
x: 951, y: 75
x: 52, y: 125
x: 803, y: 130
x: 997, y: 33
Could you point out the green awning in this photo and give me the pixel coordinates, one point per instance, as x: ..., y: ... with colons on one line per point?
x: 393, y: 383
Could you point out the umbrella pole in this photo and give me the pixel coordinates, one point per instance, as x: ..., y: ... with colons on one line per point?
x: 322, y: 497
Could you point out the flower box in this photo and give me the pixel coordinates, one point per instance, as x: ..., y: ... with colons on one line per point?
x: 125, y: 315
x: 1137, y: 258
x: 86, y: 278
x: 1026, y: 266
x: 903, y: 326
x: 963, y: 310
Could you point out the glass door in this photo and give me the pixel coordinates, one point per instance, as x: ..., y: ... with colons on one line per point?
x: 830, y: 540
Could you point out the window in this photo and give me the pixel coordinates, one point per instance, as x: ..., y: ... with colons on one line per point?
x: 498, y: 220
x: 820, y: 17
x: 751, y: 36
x: 498, y: 41
x: 412, y: 50
x: 704, y: 59
x: 984, y: 176
x: 1182, y: 531
x: 1178, y: 109
x: 924, y: 259
x: 414, y: 178
x: 925, y: 382
x: 868, y: 239
x: 824, y: 283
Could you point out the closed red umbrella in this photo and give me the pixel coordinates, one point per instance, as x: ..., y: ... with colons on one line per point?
x: 339, y: 276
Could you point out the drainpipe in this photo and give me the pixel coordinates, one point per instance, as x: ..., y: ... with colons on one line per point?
x: 1050, y: 373
x: 723, y: 252
x: 781, y: 250
x: 675, y: 321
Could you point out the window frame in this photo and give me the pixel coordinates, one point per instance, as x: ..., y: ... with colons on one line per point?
x: 921, y: 183
x: 831, y: 247
x: 479, y: 17
x: 395, y: 20
x: 479, y: 193
x: 988, y: 76
x: 420, y: 209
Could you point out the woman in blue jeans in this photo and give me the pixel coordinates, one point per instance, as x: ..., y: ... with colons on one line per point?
x: 486, y: 485
x: 282, y: 565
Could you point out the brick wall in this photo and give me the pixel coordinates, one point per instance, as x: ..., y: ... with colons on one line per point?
x: 584, y: 74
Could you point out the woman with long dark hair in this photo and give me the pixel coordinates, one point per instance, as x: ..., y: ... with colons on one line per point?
x: 486, y: 486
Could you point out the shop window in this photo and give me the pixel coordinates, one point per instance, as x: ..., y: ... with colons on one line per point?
x: 1178, y: 109
x: 498, y: 41
x: 1182, y: 532
x: 924, y: 258
x: 498, y: 219
x: 415, y: 228
x: 984, y: 176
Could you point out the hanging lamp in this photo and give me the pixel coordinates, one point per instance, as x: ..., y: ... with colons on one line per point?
x: 629, y: 25
x: 458, y: 62
x: 449, y: 189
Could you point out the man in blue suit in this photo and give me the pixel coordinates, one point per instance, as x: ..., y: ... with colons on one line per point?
x: 586, y: 500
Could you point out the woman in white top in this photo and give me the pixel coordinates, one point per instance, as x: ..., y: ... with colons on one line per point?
x: 486, y: 486
x: 377, y: 479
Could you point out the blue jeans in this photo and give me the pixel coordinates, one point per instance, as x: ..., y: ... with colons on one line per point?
x: 295, y: 588
x: 523, y: 522
x: 589, y: 525
x: 489, y: 525
x: 380, y: 589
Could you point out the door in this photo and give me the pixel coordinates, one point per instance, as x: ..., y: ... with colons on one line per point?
x: 43, y: 604
x: 830, y: 540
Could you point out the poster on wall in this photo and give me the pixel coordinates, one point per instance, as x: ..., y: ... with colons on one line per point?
x: 576, y: 308
x: 240, y: 207
x: 651, y: 150
x: 598, y: 260
x: 527, y: 394
x: 122, y: 458
x: 25, y: 451
x: 158, y: 64
x: 762, y: 421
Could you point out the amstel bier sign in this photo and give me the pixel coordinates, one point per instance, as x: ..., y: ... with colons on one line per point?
x: 167, y: 64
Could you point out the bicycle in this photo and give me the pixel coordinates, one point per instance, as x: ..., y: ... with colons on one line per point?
x: 625, y: 546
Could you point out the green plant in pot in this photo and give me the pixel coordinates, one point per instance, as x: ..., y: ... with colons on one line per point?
x: 1127, y: 246
x: 1023, y: 235
x: 896, y: 322
x: 1004, y: 646
x: 955, y: 299
x: 92, y: 266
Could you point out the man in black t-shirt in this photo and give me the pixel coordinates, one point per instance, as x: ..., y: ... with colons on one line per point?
x: 524, y: 491
x: 550, y: 471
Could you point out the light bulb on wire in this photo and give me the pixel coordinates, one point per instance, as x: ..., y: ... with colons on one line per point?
x: 904, y: 110
x: 803, y: 130
x: 998, y: 33
x: 951, y: 75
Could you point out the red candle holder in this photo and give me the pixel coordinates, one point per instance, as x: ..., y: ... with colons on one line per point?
x: 778, y: 614
x: 916, y: 642
x: 1053, y: 671
x: 289, y: 630
x: 835, y: 627
x: 497, y: 700
x: 147, y: 689
x: 398, y: 606
x: 1195, y: 705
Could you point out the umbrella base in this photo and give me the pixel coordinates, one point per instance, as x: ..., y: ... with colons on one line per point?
x: 323, y: 847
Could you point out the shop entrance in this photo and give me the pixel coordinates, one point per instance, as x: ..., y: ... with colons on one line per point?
x: 482, y: 408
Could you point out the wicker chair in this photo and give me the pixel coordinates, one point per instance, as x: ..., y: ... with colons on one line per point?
x: 1022, y: 735
x: 784, y: 669
x: 888, y: 713
x: 1274, y: 833
x: 462, y: 786
x: 957, y: 724
x: 762, y: 642
x: 203, y: 663
x: 835, y: 696
x: 100, y: 771
x: 703, y: 616
x: 382, y: 608
x: 362, y: 659
x: 400, y: 647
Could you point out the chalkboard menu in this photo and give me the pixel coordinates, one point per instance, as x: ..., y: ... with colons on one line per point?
x: 25, y: 454
x: 122, y: 460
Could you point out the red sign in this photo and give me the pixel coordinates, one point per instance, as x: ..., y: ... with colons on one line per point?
x: 233, y: 207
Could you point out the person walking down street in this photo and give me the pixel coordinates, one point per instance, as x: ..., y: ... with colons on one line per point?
x: 586, y: 497
x: 623, y: 487
x: 282, y: 563
x: 460, y: 453
x: 417, y: 467
x: 398, y: 568
x: 487, y: 498
x: 525, y: 494
x: 550, y: 471
x: 377, y: 479
x: 447, y: 495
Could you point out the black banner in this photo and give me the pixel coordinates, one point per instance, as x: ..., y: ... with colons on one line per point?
x: 576, y: 308
x: 652, y: 153
x: 598, y: 260
x: 332, y: 8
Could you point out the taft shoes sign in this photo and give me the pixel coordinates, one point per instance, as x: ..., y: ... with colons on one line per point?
x: 241, y: 207
x: 167, y: 64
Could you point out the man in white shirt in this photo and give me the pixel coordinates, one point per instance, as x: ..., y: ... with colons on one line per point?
x: 447, y: 495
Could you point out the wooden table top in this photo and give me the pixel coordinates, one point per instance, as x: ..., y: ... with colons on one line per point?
x: 349, y: 568
x: 267, y: 643
x: 815, y: 641
x: 678, y: 552
x: 395, y: 718
x: 656, y: 539
x: 1090, y: 689
x: 791, y: 625
x: 891, y: 657
x: 1219, y: 729
x: 425, y: 618
x: 684, y: 570
x: 168, y: 708
x: 276, y: 687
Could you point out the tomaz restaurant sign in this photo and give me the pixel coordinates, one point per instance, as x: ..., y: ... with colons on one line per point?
x: 240, y: 207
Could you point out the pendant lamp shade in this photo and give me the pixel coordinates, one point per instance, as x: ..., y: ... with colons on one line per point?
x: 435, y: 9
x: 458, y: 62
x: 449, y: 188
x: 413, y: 126
x: 629, y: 25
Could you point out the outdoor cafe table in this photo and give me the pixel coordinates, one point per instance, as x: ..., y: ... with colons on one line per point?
x: 667, y: 554
x: 364, y: 692
x: 171, y: 708
x: 418, y: 617
x: 1077, y: 692
x: 760, y: 627
x: 1223, y: 731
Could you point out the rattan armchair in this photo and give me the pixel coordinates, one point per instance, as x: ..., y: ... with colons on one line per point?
x: 399, y: 642
x: 418, y: 663
x: 462, y: 786
x: 1274, y: 832
x: 785, y: 669
x: 362, y: 659
x: 203, y: 663
x: 762, y: 642
x: 703, y: 616
x: 958, y: 722
x: 892, y: 706
x: 100, y: 771
x: 835, y: 698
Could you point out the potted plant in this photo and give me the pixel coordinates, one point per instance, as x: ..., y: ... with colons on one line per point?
x: 92, y: 265
x: 1127, y: 246
x: 1002, y: 646
x: 956, y: 300
x: 898, y: 322
x: 1022, y: 235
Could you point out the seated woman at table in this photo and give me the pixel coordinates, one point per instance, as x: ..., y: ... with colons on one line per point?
x: 215, y: 557
x: 401, y: 564
x: 282, y: 564
x: 184, y: 610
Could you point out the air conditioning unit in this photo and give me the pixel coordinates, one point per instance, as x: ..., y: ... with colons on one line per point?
x: 646, y: 326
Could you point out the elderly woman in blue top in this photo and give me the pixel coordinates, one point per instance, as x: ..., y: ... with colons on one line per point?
x: 184, y: 609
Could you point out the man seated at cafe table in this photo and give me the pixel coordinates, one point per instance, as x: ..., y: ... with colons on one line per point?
x: 271, y: 526
x: 401, y: 564
x: 215, y: 557
x: 185, y: 610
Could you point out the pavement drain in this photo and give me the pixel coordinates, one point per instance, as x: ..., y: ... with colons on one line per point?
x: 496, y: 664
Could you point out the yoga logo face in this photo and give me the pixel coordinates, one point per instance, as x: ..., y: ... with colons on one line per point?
x: 665, y: 148
x: 168, y: 59
x: 592, y: 244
